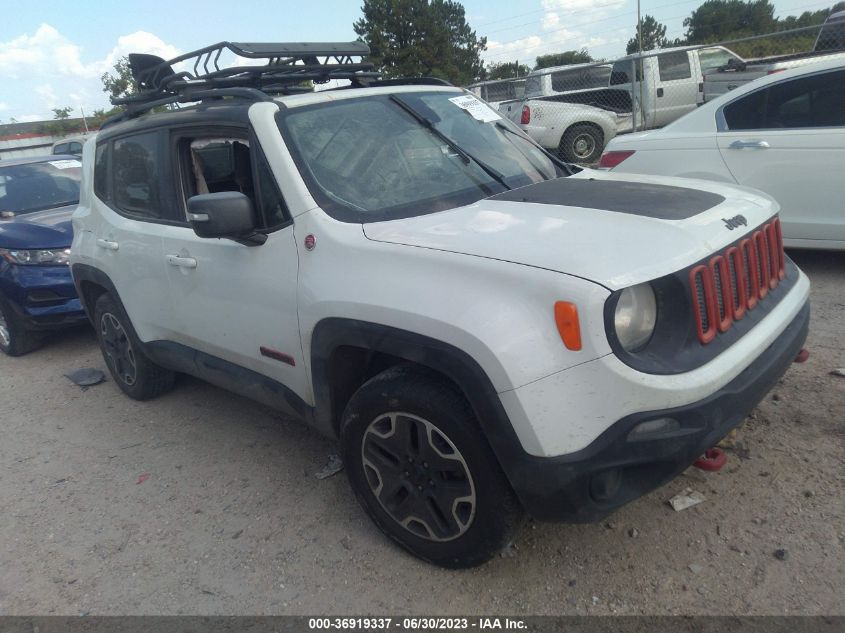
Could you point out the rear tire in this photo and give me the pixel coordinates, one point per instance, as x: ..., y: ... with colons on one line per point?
x: 582, y: 144
x: 136, y: 375
x: 421, y: 468
x: 15, y: 339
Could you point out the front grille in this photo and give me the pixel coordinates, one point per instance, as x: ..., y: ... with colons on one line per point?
x: 734, y: 281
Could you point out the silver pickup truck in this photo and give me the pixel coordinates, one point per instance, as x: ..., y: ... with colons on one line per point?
x: 830, y: 44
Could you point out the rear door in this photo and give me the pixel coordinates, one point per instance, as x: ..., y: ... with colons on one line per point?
x: 788, y: 139
x: 134, y: 198
x: 675, y: 88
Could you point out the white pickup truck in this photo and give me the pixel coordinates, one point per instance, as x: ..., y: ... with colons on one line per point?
x: 570, y: 111
x: 576, y: 110
x: 667, y: 84
x: 830, y: 45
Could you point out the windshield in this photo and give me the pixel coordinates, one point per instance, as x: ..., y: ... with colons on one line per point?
x: 391, y: 156
x: 38, y: 186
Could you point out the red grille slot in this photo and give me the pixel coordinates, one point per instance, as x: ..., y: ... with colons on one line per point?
x: 734, y: 281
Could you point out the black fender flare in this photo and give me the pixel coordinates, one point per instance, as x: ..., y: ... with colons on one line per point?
x: 448, y: 360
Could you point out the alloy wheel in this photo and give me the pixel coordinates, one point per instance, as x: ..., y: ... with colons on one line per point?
x: 418, y: 476
x: 584, y: 145
x: 5, y: 335
x: 118, y: 349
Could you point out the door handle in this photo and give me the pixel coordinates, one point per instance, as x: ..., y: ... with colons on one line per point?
x: 749, y: 145
x: 183, y: 262
x: 107, y: 244
x: 660, y: 92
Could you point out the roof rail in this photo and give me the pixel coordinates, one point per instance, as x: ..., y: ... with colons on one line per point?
x: 286, y: 66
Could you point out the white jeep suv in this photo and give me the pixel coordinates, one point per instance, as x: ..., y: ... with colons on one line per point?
x: 486, y: 332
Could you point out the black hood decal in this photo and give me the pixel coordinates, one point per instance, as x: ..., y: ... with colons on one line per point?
x: 637, y: 198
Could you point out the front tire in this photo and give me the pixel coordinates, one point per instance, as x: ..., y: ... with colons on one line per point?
x: 582, y: 144
x: 421, y: 468
x: 136, y: 375
x: 15, y: 339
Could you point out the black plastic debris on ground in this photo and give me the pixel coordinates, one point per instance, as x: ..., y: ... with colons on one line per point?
x: 86, y: 377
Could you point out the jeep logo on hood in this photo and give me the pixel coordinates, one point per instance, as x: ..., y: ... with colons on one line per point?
x: 734, y: 222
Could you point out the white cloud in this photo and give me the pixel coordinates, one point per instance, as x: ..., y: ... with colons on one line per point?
x: 550, y: 20
x: 580, y: 5
x: 44, y: 69
x: 30, y: 118
x: 3, y: 106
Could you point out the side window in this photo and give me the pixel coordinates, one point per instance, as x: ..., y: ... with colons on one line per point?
x: 747, y: 113
x: 674, y: 66
x: 75, y: 148
x: 135, y: 175
x: 224, y: 163
x: 101, y: 174
x: 815, y: 101
x: 711, y: 58
x: 60, y: 149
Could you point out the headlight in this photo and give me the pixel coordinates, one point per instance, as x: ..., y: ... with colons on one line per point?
x: 635, y: 317
x: 38, y: 257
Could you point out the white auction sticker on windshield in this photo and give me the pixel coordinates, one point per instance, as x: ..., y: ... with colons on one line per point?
x: 478, y: 109
x: 68, y: 163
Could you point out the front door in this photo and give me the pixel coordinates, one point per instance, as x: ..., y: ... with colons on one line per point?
x: 233, y: 301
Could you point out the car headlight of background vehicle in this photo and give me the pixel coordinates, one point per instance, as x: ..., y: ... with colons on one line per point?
x: 36, y: 257
x: 635, y: 316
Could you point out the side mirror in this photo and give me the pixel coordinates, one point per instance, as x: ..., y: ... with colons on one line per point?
x: 224, y: 214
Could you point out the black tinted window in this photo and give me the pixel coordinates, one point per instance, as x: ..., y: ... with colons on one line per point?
x: 674, y: 66
x: 101, y: 173
x: 75, y: 148
x: 815, y: 101
x: 60, y: 149
x: 136, y: 178
x: 622, y: 70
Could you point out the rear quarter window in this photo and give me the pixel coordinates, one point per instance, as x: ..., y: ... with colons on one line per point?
x: 135, y: 175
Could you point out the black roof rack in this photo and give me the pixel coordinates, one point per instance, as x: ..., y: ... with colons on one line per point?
x: 286, y: 68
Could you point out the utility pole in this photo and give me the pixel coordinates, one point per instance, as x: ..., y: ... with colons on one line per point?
x: 83, y: 119
x: 640, y: 61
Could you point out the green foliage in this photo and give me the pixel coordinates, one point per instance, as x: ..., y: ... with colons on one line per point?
x: 61, y: 123
x: 563, y: 59
x: 421, y: 38
x: 120, y: 83
x: 654, y: 36
x: 718, y: 20
x: 506, y: 70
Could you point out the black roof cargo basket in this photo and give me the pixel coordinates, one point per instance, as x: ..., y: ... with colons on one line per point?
x: 285, y: 69
x: 286, y: 66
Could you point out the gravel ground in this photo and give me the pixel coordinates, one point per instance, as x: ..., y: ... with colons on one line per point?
x: 232, y: 520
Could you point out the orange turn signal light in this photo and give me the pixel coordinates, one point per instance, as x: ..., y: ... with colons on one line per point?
x: 566, y: 319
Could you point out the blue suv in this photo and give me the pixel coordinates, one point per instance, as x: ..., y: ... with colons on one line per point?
x: 37, y: 198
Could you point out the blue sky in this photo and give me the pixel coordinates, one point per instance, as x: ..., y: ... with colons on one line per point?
x: 53, y: 53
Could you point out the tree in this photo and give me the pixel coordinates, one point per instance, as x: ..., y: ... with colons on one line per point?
x: 718, y: 20
x: 61, y: 124
x: 653, y: 34
x: 506, y: 70
x: 119, y: 84
x: 563, y: 59
x: 418, y: 38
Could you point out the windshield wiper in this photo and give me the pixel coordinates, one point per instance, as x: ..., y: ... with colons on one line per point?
x: 566, y: 166
x: 465, y: 155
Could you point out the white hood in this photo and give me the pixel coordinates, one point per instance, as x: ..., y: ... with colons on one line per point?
x: 615, y: 248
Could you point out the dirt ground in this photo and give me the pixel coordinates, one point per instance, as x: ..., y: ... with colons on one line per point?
x: 232, y: 520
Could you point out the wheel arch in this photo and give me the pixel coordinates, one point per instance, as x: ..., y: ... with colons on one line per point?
x: 90, y: 284
x: 345, y: 353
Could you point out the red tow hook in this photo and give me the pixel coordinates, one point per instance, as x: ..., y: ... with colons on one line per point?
x: 712, y: 460
x: 803, y: 355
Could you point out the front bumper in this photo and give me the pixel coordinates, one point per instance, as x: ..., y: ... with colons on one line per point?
x: 589, y: 484
x: 43, y: 297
